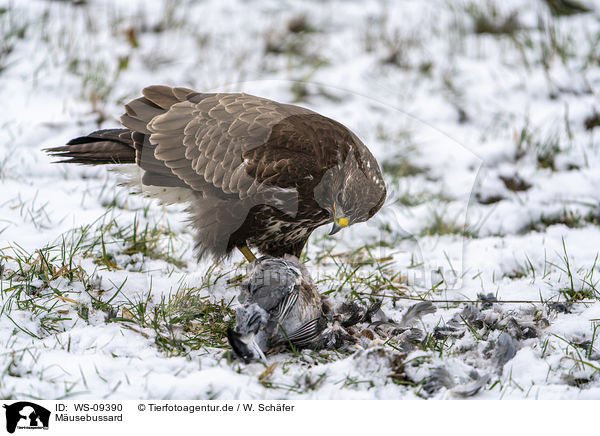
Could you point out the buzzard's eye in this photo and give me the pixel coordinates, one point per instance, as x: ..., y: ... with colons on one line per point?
x: 339, y: 197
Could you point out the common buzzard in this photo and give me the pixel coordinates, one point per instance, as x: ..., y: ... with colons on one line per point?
x: 254, y: 172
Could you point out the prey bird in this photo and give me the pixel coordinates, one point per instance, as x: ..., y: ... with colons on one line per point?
x: 281, y: 307
x: 253, y: 172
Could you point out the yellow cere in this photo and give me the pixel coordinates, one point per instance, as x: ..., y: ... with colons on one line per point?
x: 342, y: 221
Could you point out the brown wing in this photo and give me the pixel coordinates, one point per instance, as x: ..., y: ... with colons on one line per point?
x: 213, y: 139
x: 301, y: 148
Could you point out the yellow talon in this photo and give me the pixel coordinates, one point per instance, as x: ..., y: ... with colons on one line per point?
x: 250, y: 257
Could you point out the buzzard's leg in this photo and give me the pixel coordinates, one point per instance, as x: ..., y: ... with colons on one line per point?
x: 247, y: 253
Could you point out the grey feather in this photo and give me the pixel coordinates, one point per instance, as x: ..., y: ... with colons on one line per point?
x: 471, y: 388
x: 439, y: 378
x: 505, y: 350
x: 416, y: 311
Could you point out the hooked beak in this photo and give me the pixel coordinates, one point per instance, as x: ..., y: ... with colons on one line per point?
x: 338, y: 225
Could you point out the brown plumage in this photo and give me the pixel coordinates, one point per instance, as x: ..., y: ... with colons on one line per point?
x: 254, y: 172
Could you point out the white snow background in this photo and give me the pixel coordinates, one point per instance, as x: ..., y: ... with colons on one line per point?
x: 483, y: 115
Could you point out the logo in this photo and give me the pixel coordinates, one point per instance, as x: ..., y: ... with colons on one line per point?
x: 26, y: 415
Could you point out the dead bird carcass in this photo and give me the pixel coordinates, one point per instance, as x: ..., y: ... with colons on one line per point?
x: 280, y: 307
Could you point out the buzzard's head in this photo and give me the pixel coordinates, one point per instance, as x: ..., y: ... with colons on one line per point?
x: 351, y: 191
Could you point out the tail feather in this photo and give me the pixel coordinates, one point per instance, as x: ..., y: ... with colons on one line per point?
x: 110, y: 146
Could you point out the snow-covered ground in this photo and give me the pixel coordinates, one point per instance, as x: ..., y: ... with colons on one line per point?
x: 484, y: 116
